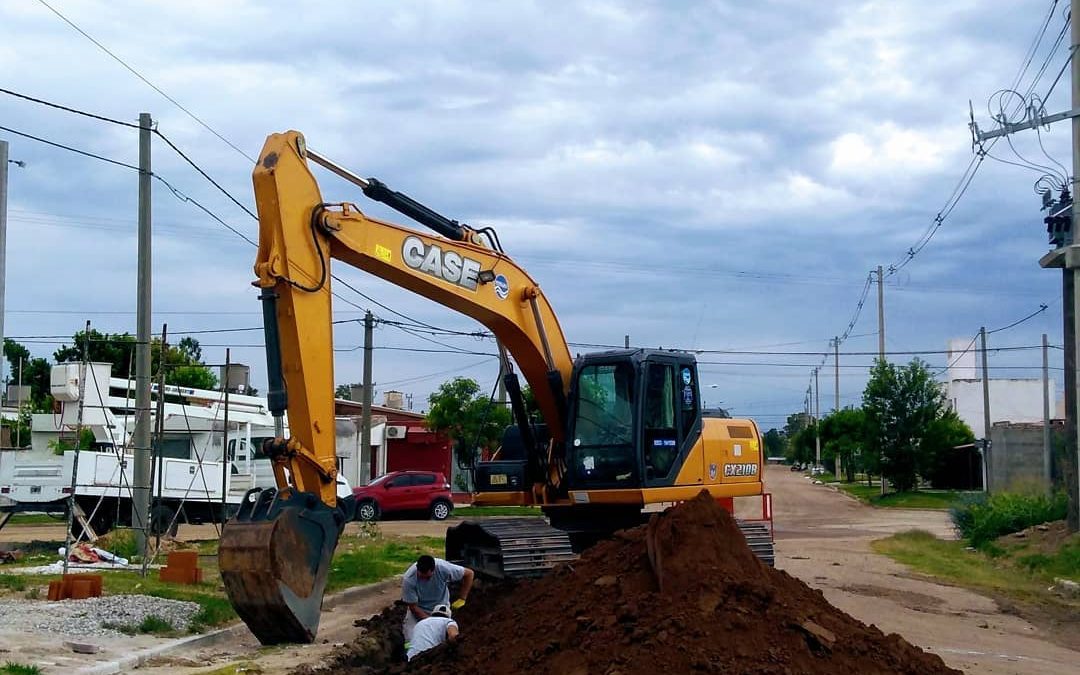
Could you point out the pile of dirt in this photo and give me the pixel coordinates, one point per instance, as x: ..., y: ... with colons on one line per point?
x: 1047, y: 538
x: 380, y: 647
x: 681, y: 594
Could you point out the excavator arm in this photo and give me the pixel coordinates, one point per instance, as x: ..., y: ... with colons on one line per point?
x: 275, y: 554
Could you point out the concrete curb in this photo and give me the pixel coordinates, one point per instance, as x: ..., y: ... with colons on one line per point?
x: 236, y: 630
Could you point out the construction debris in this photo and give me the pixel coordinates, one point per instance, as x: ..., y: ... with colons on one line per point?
x: 682, y: 594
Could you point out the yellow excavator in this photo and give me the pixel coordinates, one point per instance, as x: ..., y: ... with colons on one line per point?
x: 621, y: 429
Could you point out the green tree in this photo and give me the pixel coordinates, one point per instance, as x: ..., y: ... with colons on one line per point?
x: 938, y: 455
x: 802, y: 447
x: 842, y: 436
x: 467, y: 417
x: 900, y: 402
x: 775, y: 443
x: 117, y: 349
x: 796, y: 423
x: 183, y: 364
x: 183, y: 361
x: 36, y: 373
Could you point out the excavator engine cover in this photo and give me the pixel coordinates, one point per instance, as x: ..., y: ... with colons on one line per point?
x: 274, y: 560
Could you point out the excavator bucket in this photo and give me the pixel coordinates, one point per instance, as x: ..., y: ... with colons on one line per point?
x: 274, y: 558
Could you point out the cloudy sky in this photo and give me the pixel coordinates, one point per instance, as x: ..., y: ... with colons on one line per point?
x: 704, y: 175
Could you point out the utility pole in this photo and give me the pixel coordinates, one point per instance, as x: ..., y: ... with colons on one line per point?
x: 836, y: 392
x: 1047, y: 476
x: 817, y: 418
x: 836, y: 377
x: 986, y: 413
x: 626, y: 341
x: 1072, y: 301
x: 1063, y: 224
x: 18, y: 427
x: 140, y: 507
x: 3, y: 242
x: 225, y: 473
x: 881, y: 347
x: 881, y: 316
x: 365, y: 429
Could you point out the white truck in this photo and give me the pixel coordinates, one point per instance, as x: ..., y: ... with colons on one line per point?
x: 198, y: 475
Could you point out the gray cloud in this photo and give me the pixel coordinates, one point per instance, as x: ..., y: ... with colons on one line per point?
x: 702, y: 174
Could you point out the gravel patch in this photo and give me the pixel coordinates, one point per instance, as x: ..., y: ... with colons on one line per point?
x: 84, y: 618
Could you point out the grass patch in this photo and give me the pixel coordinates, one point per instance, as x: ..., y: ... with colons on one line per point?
x: 34, y: 519
x: 12, y: 668
x: 919, y: 499
x: 12, y: 582
x: 119, y: 542
x: 365, y: 562
x: 981, y: 518
x: 1024, y: 577
x: 151, y: 625
x: 484, y: 511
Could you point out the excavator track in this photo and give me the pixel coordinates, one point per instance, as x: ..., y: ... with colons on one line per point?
x: 510, y: 548
x: 760, y: 540
x: 515, y: 548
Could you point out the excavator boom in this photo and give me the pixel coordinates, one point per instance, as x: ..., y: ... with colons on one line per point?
x: 275, y: 554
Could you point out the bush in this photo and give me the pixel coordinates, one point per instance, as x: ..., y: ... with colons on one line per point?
x: 119, y: 542
x: 981, y: 519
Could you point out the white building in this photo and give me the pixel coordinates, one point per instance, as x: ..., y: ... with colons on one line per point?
x: 1011, y: 399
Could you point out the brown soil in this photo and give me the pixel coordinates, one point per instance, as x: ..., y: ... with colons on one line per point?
x: 1047, y: 538
x: 681, y: 594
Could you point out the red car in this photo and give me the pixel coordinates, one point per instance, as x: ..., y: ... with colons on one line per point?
x: 402, y: 491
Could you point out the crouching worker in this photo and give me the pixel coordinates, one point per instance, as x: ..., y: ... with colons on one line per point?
x: 425, y: 585
x: 433, y: 631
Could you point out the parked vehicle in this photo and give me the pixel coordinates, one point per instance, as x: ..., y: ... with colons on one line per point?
x: 404, y: 491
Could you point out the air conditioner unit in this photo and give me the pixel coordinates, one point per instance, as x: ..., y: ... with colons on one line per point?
x: 395, y: 431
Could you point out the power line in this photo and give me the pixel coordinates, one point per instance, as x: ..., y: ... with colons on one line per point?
x: 204, y: 174
x: 70, y: 110
x: 146, y: 81
x: 185, y: 198
x: 69, y: 148
x: 1040, y: 310
x: 972, y: 168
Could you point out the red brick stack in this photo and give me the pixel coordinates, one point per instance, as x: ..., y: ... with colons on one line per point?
x: 75, y: 587
x: 182, y: 567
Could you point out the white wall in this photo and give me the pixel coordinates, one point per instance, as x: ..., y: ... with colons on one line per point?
x: 1011, y: 400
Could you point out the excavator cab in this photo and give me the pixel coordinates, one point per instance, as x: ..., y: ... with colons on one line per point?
x: 634, y: 416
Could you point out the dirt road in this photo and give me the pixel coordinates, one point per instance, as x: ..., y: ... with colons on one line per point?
x: 823, y: 537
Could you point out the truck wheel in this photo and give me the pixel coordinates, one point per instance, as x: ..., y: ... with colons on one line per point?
x: 367, y: 511
x: 440, y: 510
x: 162, y: 521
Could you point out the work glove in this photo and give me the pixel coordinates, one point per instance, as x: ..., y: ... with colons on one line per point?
x: 458, y: 604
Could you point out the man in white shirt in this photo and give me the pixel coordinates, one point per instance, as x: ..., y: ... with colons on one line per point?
x: 426, y: 584
x: 432, y: 631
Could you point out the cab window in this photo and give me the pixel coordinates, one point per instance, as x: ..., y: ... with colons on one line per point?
x: 604, y: 424
x: 687, y: 393
x: 661, y: 436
